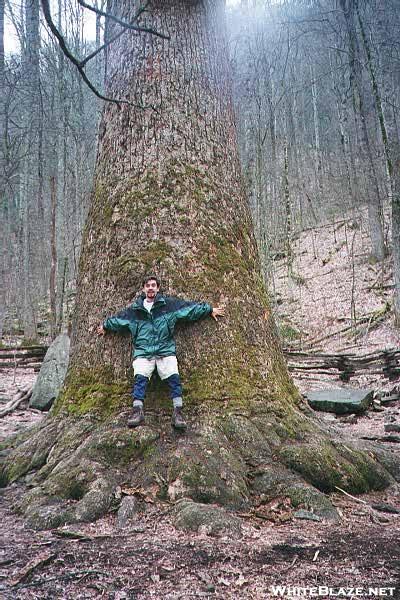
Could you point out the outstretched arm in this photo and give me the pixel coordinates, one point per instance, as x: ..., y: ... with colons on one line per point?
x: 119, y: 322
x: 192, y: 311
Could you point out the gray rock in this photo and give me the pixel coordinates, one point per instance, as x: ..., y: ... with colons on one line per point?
x: 341, y: 401
x: 329, y: 417
x: 127, y: 510
x: 313, y: 501
x: 389, y: 508
x: 306, y: 514
x: 52, y: 374
x: 395, y: 427
x: 203, y: 518
x: 390, y: 438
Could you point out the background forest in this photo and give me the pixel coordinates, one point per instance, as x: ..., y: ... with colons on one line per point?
x: 316, y: 87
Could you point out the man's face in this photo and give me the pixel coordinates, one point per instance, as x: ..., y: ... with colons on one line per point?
x: 150, y: 289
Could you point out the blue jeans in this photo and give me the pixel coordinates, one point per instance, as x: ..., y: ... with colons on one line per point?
x: 140, y: 386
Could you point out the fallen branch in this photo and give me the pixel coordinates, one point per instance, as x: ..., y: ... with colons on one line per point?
x: 374, y: 317
x: 71, y: 535
x: 387, y: 508
x: 385, y: 438
x: 350, y: 496
x: 19, y: 397
x: 67, y: 577
x: 33, y: 565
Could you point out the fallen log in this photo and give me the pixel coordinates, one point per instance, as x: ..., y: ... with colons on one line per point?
x: 384, y: 438
x: 37, y: 348
x: 19, y: 397
x: 23, y: 355
x: 20, y: 365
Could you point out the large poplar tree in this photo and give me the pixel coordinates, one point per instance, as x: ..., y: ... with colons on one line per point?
x: 168, y: 198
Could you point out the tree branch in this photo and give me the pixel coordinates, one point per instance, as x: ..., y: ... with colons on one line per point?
x: 80, y: 65
x: 84, y: 62
x: 71, y: 57
x: 102, y: 13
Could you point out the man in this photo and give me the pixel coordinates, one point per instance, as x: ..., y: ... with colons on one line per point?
x: 151, y: 320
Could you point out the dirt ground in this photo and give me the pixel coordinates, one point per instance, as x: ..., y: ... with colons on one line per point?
x: 151, y: 559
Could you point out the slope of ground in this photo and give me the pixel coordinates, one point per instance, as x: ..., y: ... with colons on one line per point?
x: 333, y: 285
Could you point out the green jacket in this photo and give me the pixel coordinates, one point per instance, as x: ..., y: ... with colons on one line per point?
x: 152, y: 332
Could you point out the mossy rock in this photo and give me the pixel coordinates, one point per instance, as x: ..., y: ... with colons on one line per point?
x: 202, y: 518
x: 341, y: 401
x: 327, y: 467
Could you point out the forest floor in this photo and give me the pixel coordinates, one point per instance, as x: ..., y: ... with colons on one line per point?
x: 359, y: 557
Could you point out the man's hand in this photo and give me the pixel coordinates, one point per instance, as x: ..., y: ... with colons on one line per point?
x: 218, y: 311
x: 100, y: 330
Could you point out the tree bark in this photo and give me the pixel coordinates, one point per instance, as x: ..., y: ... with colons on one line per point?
x: 168, y: 197
x: 375, y: 213
x: 32, y: 180
x: 391, y: 153
x: 172, y: 174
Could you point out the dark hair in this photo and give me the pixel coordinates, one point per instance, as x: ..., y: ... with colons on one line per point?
x: 150, y: 278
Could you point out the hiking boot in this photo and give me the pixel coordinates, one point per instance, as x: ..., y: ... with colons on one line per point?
x: 177, y: 419
x: 137, y: 417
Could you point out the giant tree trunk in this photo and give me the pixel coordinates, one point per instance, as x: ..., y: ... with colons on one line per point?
x: 168, y: 198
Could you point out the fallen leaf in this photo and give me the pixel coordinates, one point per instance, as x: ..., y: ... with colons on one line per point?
x: 241, y: 580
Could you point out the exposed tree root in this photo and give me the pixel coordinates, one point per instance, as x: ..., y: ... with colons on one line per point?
x: 74, y: 468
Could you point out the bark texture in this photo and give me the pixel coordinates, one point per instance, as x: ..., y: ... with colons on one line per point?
x: 168, y: 198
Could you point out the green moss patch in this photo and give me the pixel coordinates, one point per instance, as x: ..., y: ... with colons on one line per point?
x: 32, y: 454
x: 93, y: 391
x: 121, y: 447
x: 325, y: 468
